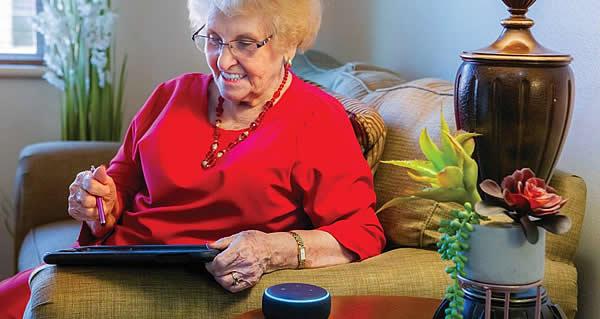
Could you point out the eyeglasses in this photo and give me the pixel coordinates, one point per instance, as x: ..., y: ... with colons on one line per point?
x: 238, y: 48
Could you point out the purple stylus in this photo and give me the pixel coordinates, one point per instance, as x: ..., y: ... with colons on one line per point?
x: 99, y: 204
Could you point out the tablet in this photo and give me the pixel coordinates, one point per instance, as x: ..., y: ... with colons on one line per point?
x: 132, y: 254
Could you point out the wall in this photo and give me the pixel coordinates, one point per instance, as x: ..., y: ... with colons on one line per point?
x: 424, y: 39
x: 416, y: 38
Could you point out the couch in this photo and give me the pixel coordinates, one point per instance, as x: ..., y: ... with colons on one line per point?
x: 410, y: 265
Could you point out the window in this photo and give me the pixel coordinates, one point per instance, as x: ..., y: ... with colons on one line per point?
x: 19, y: 43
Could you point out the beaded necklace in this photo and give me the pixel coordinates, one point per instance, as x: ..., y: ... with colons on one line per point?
x: 211, y: 157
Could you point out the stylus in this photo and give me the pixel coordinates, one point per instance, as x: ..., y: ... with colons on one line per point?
x: 99, y: 204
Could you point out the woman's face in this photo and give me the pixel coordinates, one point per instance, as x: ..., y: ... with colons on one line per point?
x: 249, y: 79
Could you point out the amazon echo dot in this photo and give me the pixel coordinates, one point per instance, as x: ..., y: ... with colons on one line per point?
x: 296, y: 301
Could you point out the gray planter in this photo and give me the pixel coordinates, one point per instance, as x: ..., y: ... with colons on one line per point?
x: 500, y: 254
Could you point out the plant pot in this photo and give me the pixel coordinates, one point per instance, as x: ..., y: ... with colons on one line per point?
x: 499, y: 253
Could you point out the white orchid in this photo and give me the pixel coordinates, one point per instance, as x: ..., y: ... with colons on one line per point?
x: 78, y: 35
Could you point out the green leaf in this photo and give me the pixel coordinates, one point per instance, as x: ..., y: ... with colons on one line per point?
x: 469, y: 146
x: 469, y: 227
x: 556, y: 224
x: 470, y: 171
x: 449, y: 155
x: 443, y: 123
x: 455, y: 224
x: 422, y: 167
x: 487, y: 209
x: 95, y: 104
x: 456, y: 246
x: 433, y: 181
x: 467, y: 141
x: 117, y: 114
x: 462, y: 136
x: 105, y: 119
x: 81, y: 94
x: 431, y: 151
x: 450, y: 177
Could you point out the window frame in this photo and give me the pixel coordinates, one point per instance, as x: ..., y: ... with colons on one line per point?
x: 27, y: 59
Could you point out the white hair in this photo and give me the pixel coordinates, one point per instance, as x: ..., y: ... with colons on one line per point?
x: 295, y: 22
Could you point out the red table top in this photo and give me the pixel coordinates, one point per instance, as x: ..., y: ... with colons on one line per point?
x: 380, y: 307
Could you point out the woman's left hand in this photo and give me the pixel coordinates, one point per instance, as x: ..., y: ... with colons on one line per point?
x: 244, y: 258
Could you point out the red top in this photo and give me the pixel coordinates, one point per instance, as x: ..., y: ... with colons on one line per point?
x: 301, y: 169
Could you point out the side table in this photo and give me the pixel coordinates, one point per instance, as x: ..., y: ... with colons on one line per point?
x: 367, y: 307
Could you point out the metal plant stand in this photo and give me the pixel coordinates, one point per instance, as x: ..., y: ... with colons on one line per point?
x: 506, y: 290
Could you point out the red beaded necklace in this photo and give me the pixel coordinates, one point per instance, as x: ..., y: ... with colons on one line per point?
x: 211, y: 157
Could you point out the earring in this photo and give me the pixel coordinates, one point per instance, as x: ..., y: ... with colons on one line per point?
x: 288, y: 63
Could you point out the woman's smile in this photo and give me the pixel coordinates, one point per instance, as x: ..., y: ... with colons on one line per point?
x: 232, y: 77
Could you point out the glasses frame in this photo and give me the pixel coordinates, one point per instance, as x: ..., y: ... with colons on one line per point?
x: 259, y: 44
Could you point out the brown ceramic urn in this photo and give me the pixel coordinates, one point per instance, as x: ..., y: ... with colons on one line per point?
x: 519, y: 96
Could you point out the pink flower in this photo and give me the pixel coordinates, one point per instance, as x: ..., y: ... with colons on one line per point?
x: 521, y: 196
x: 529, y: 195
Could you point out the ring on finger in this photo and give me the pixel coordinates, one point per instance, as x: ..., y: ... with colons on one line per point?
x: 236, y: 280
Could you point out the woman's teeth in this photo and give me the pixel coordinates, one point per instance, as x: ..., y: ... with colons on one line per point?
x: 231, y: 76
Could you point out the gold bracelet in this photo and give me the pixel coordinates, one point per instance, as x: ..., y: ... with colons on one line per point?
x: 301, y: 250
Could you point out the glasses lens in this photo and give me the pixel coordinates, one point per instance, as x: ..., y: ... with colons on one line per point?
x: 209, y: 44
x: 206, y: 44
x: 199, y: 42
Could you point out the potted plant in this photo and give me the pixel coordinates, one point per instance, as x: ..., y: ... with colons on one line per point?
x: 77, y: 53
x: 481, y: 246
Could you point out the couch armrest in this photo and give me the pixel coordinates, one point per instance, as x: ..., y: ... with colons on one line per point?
x: 173, y: 292
x: 563, y: 247
x: 44, y: 173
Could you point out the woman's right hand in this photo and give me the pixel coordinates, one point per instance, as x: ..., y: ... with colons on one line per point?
x: 82, y: 200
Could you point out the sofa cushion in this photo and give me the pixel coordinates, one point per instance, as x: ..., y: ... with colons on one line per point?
x: 354, y: 79
x: 157, y: 292
x: 46, y: 238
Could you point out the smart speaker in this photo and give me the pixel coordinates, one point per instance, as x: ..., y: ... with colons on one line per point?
x: 296, y: 301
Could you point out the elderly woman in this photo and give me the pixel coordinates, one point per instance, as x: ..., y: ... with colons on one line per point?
x: 249, y: 159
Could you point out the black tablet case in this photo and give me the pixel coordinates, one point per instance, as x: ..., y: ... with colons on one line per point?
x: 132, y: 254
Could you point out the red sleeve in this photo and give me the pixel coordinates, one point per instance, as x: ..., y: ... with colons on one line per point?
x: 125, y: 168
x: 337, y: 184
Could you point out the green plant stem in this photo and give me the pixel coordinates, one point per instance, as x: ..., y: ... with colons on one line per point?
x: 452, y: 246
